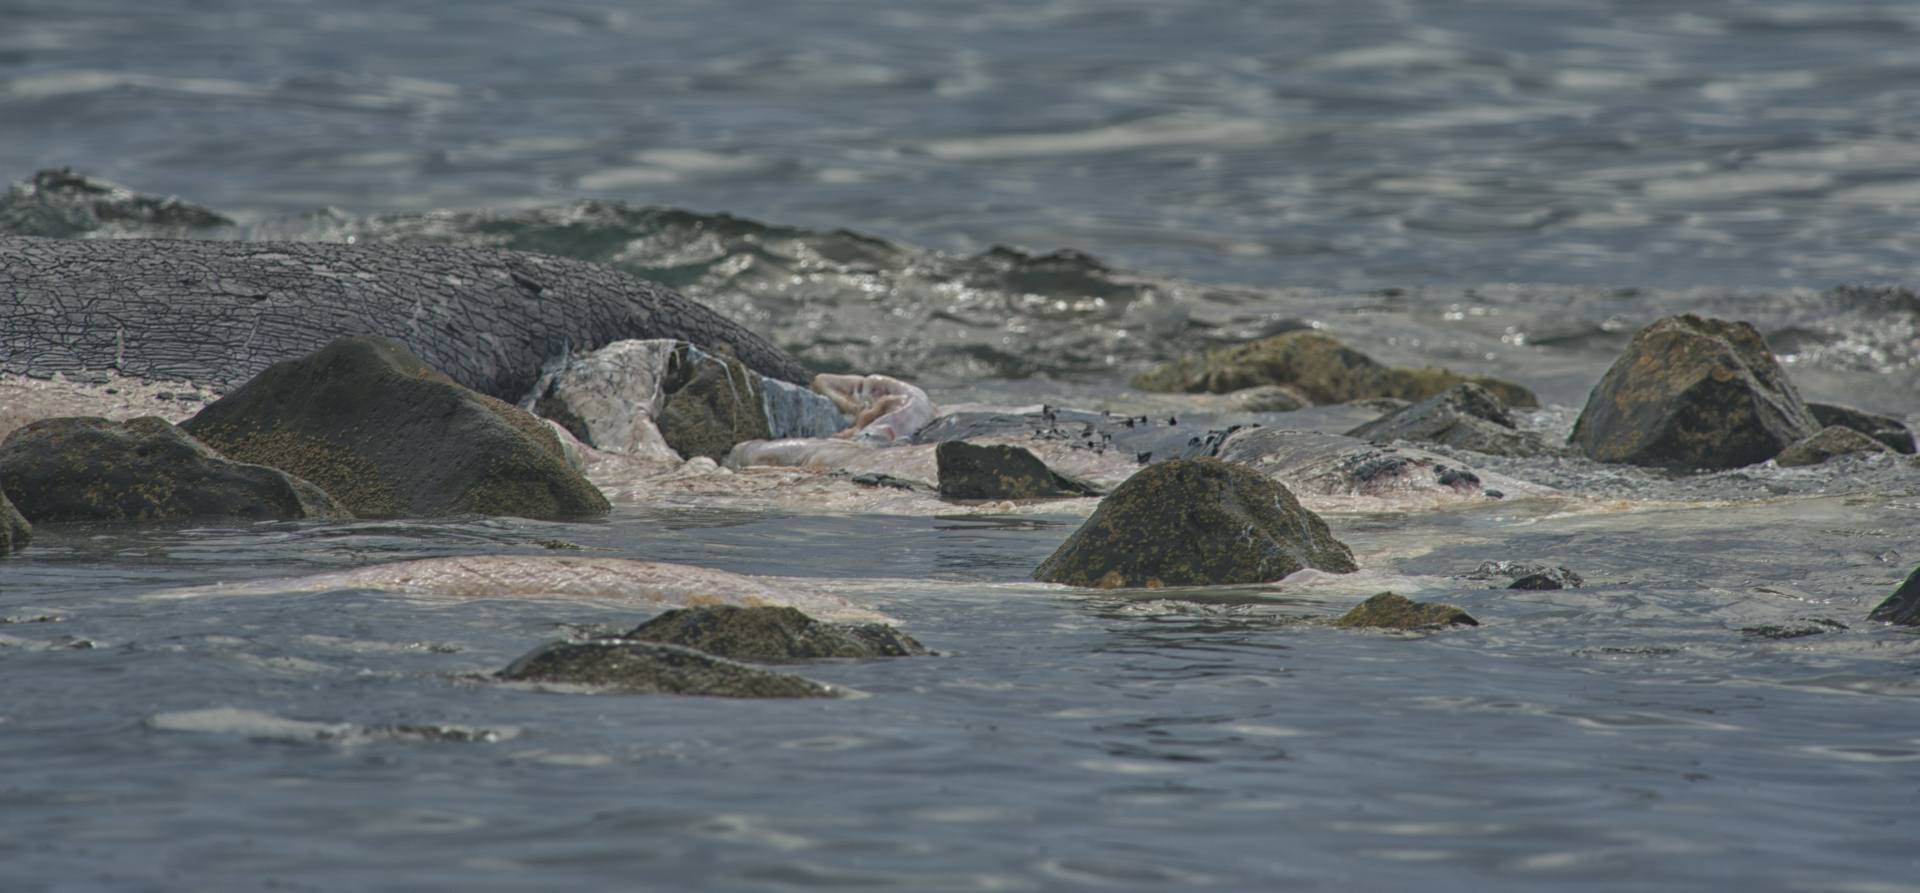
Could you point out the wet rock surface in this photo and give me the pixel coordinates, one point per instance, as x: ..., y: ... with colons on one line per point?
x: 772, y: 634
x: 970, y: 471
x: 15, y: 532
x: 1195, y: 522
x: 1903, y: 606
x: 1886, y: 429
x: 1827, y: 443
x: 1316, y: 367
x: 622, y: 666
x: 389, y: 436
x: 146, y: 469
x: 1390, y: 611
x: 61, y: 202
x: 1798, y: 629
x: 1466, y: 416
x: 1527, y: 575
x: 1692, y: 392
x: 712, y: 403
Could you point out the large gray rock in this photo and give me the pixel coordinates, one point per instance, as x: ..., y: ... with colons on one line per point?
x: 91, y: 469
x: 1691, y: 392
x: 1195, y: 522
x: 1465, y: 416
x: 15, y: 532
x: 1886, y: 429
x: 1828, y: 443
x: 624, y: 666
x: 389, y: 436
x: 772, y: 634
x: 972, y: 471
x: 1903, y: 606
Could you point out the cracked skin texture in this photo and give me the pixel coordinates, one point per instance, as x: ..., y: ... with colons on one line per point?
x: 1318, y: 367
x: 388, y: 436
x: 1692, y: 392
x: 1195, y: 522
x: 217, y: 313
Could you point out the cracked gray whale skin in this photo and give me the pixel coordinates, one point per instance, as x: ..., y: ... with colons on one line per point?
x: 216, y: 313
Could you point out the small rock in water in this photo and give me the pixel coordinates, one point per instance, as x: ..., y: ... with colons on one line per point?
x: 1316, y: 367
x: 1465, y: 416
x: 772, y: 634
x: 387, y: 435
x: 625, y: 666
x: 1811, y: 627
x: 1528, y: 576
x: 1828, y: 443
x: 1903, y: 606
x: 969, y: 471
x: 1689, y: 393
x: 1390, y: 611
x: 1195, y: 522
x: 145, y: 469
x: 1890, y: 431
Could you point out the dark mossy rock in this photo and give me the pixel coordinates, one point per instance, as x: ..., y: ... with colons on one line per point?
x: 1390, y: 611
x: 1828, y: 443
x: 1526, y: 575
x: 1886, y: 429
x: 92, y: 469
x: 1315, y: 366
x: 15, y: 532
x: 1268, y: 398
x: 1195, y: 522
x: 1903, y: 606
x: 1466, y: 416
x: 389, y: 436
x: 623, y: 666
x: 970, y: 471
x: 1689, y: 393
x: 772, y: 634
x: 712, y: 403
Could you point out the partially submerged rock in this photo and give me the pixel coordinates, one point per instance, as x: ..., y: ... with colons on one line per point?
x: 772, y: 634
x: 389, y: 436
x: 1827, y: 443
x: 712, y: 403
x: 1886, y: 429
x: 1466, y: 415
x: 1195, y: 522
x: 969, y: 471
x: 1691, y: 392
x: 15, y: 532
x: 1903, y: 606
x: 1317, y: 367
x: 623, y: 666
x: 91, y: 469
x: 1390, y: 611
x: 1527, y: 575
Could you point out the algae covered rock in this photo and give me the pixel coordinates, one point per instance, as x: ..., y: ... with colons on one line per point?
x: 1903, y: 606
x: 1390, y: 611
x: 623, y: 666
x: 1316, y: 367
x: 969, y: 471
x: 772, y: 634
x: 15, y: 532
x: 712, y: 403
x: 1886, y: 429
x: 1195, y: 522
x: 92, y: 469
x: 389, y: 436
x: 1691, y: 392
x: 1828, y: 443
x: 1466, y: 415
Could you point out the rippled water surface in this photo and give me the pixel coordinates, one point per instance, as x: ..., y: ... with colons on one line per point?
x: 1712, y: 711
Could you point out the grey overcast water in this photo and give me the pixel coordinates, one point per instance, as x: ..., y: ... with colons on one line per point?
x: 1021, y: 202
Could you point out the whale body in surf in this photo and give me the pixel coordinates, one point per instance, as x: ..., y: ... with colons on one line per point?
x: 216, y: 312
